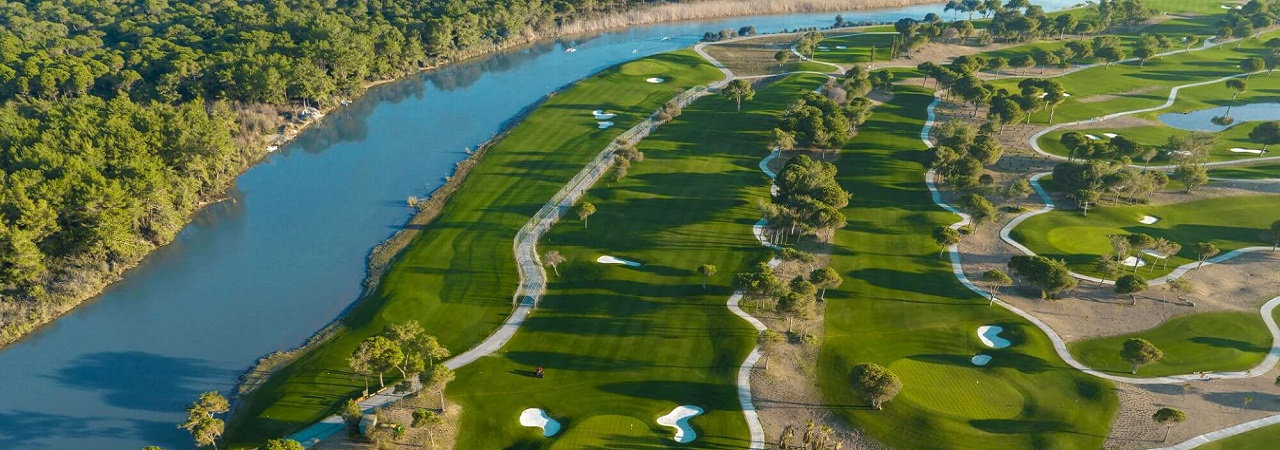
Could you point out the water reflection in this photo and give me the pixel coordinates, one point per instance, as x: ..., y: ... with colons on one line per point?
x: 1203, y: 120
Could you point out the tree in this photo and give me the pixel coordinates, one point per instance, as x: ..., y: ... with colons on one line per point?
x: 1050, y: 276
x: 997, y: 64
x: 1168, y: 417
x: 437, y: 379
x: 1192, y: 175
x: 978, y: 206
x: 995, y: 279
x: 1131, y: 285
x: 875, y: 384
x: 283, y: 444
x: 554, y: 259
x: 1191, y: 40
x: 1205, y: 250
x: 1086, y: 198
x: 1004, y: 111
x: 707, y: 271
x: 945, y: 237
x: 1140, y: 352
x: 585, y: 210
x: 1266, y: 133
x: 201, y: 422
x: 351, y: 412
x: 1110, y: 54
x: 1272, y: 235
x: 1107, y: 268
x: 825, y: 278
x: 739, y: 90
x: 782, y: 57
x: 1252, y: 65
x: 383, y: 355
x: 1236, y: 86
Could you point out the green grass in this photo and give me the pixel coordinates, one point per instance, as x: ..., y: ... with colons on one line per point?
x: 1262, y: 438
x: 623, y: 346
x: 456, y: 276
x: 1217, y: 341
x: 1228, y: 222
x: 902, y: 307
x: 858, y: 51
x: 1257, y: 172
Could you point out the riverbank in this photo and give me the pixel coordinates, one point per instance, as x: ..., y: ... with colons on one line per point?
x: 95, y: 282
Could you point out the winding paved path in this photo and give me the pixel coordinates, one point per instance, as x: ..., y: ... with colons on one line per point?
x: 1060, y: 347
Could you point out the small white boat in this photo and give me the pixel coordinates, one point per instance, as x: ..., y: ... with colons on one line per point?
x: 666, y: 38
x: 570, y: 50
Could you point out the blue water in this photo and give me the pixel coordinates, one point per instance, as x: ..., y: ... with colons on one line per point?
x: 265, y: 271
x: 1202, y: 120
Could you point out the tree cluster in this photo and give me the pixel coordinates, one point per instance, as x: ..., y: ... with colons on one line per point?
x: 823, y: 122
x: 808, y: 200
x: 403, y: 347
x: 1094, y: 181
x: 1050, y: 276
x: 962, y: 153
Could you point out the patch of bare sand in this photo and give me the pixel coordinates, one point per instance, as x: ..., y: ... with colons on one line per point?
x: 436, y: 437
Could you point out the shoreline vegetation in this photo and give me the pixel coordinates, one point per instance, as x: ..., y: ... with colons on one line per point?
x: 21, y: 315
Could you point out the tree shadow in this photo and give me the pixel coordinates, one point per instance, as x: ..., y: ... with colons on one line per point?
x: 142, y: 381
x: 1231, y: 343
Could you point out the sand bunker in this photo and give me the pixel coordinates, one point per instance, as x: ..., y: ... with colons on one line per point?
x: 1046, y: 94
x: 823, y: 47
x: 1132, y: 260
x: 1246, y: 150
x: 655, y: 80
x: 1155, y: 254
x: 841, y: 47
x: 536, y: 417
x: 1110, y: 135
x: 980, y: 360
x: 1149, y: 219
x: 1179, y: 153
x: 601, y: 115
x: 989, y: 335
x: 606, y: 259
x: 679, y: 419
x: 604, y: 125
x: 1090, y: 136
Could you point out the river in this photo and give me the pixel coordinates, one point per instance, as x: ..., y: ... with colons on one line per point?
x: 287, y: 255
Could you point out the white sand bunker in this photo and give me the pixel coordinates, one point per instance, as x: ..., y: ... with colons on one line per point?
x: 604, y: 125
x: 1149, y: 219
x: 1092, y: 137
x: 606, y: 259
x: 841, y: 47
x: 1179, y: 153
x: 1046, y: 94
x: 1154, y: 254
x: 823, y: 48
x: 1132, y: 261
x: 601, y: 115
x: 1110, y: 135
x: 655, y: 80
x: 989, y: 335
x: 536, y: 417
x: 679, y: 419
x: 980, y: 360
x: 1247, y: 150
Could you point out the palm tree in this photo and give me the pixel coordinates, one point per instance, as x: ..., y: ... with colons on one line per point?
x: 707, y: 270
x: 585, y: 210
x: 554, y: 259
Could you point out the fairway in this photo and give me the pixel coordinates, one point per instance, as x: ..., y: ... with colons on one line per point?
x: 902, y: 307
x: 621, y: 342
x: 1261, y: 438
x: 1218, y: 341
x: 457, y: 276
x: 1228, y: 222
x: 1255, y: 172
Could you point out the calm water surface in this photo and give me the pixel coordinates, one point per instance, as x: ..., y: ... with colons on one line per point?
x: 1202, y: 120
x: 266, y: 271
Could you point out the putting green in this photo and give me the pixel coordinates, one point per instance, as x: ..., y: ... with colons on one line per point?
x: 609, y: 431
x: 1228, y: 222
x: 1218, y: 341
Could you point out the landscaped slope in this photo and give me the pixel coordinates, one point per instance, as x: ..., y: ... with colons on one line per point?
x: 458, y: 275
x: 624, y: 345
x: 902, y: 307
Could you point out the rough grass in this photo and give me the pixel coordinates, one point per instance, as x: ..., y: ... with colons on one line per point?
x: 457, y: 275
x: 1258, y: 172
x: 623, y: 346
x: 1228, y: 222
x: 1217, y: 341
x: 902, y: 307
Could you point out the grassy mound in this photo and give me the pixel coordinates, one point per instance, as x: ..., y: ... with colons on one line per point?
x: 1218, y: 341
x: 1228, y: 222
x: 457, y: 275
